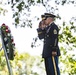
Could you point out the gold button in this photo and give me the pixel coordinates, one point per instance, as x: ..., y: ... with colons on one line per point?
x: 47, y: 35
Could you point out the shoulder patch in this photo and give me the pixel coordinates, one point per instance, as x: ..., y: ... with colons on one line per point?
x: 55, y: 31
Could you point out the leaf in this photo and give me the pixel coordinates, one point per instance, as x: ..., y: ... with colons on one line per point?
x: 17, y: 20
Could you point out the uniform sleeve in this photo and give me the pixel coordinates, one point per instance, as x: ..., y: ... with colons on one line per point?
x: 41, y: 33
x: 54, y: 41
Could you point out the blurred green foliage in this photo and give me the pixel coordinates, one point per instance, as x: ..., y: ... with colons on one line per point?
x: 23, y: 63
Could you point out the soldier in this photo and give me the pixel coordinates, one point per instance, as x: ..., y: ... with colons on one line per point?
x: 51, y: 51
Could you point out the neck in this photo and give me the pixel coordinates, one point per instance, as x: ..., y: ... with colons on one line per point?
x: 50, y: 23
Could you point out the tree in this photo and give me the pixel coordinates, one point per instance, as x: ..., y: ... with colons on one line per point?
x: 22, y: 64
x: 2, y: 11
x: 66, y: 38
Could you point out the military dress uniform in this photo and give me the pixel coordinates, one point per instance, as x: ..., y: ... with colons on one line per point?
x: 50, y: 36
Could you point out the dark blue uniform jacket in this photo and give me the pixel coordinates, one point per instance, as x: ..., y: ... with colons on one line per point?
x: 50, y: 36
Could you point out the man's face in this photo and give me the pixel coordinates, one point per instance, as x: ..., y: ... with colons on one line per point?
x: 48, y: 20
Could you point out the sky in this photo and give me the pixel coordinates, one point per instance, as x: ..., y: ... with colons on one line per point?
x: 24, y: 36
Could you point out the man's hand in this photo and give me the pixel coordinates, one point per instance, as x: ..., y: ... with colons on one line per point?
x: 54, y: 53
x: 42, y: 25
